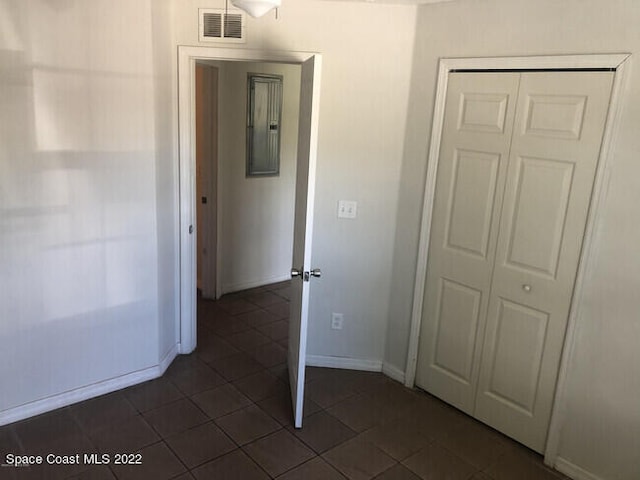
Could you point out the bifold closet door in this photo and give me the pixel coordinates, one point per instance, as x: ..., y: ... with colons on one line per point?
x: 474, y: 152
x: 559, y: 125
x: 517, y: 163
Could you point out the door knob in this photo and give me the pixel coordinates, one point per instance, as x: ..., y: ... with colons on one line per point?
x: 316, y: 272
x: 526, y: 288
x: 296, y: 273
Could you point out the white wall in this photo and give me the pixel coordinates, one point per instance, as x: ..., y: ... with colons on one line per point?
x: 601, y: 434
x: 367, y: 54
x: 85, y: 153
x: 256, y: 224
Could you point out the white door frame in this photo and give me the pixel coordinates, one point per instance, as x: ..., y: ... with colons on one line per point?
x: 617, y: 62
x: 187, y: 57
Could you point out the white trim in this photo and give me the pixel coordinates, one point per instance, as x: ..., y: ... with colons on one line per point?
x: 236, y: 287
x: 393, y: 372
x: 574, y: 471
x: 614, y: 61
x: 187, y: 57
x: 87, y: 392
x: 344, y: 363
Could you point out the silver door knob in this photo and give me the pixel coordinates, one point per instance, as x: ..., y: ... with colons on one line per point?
x: 296, y: 273
x: 316, y: 272
x: 526, y: 288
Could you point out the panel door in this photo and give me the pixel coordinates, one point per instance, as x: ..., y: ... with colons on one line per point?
x: 478, y: 122
x: 558, y: 131
x: 303, y: 229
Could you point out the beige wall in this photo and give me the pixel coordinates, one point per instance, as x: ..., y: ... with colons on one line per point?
x: 601, y: 433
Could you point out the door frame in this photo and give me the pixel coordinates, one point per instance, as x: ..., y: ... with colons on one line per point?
x: 187, y: 58
x: 619, y: 64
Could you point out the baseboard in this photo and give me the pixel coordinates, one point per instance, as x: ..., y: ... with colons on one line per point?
x: 393, y: 372
x: 237, y: 287
x: 574, y: 471
x: 344, y: 362
x: 85, y: 393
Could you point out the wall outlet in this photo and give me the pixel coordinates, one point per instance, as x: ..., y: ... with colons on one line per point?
x: 337, y: 319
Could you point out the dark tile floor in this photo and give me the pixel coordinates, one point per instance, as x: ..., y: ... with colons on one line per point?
x: 224, y: 413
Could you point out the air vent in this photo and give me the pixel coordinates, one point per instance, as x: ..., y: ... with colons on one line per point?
x: 219, y: 26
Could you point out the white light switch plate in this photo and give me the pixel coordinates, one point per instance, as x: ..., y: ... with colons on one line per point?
x: 347, y: 209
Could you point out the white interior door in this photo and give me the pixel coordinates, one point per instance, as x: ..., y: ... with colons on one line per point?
x: 302, y: 230
x: 473, y: 162
x: 515, y: 175
x: 554, y: 153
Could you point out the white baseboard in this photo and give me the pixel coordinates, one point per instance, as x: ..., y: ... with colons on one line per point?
x: 85, y: 393
x: 344, y: 362
x: 237, y: 287
x: 393, y: 372
x: 574, y: 471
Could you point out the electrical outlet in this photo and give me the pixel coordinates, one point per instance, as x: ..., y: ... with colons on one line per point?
x: 337, y: 319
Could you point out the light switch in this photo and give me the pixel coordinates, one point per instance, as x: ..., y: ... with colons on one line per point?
x: 347, y: 209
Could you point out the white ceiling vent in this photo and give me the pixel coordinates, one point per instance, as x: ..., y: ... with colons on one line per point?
x: 216, y: 25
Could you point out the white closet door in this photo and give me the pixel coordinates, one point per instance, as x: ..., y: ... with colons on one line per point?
x: 559, y: 124
x: 471, y: 175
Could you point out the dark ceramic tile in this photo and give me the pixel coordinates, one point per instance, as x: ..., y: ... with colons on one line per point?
x: 358, y: 459
x: 103, y: 411
x: 247, y: 341
x: 196, y: 379
x: 278, y: 452
x: 237, y: 306
x: 233, y: 466
x: 260, y: 385
x: 280, y: 310
x: 46, y: 429
x: 221, y: 401
x: 236, y: 366
x: 328, y: 391
x: 247, y: 424
x: 175, y: 417
x: 126, y: 436
x: 397, y: 472
x: 361, y: 412
x: 322, y: 432
x: 276, y: 330
x: 157, y: 462
x: 200, y: 444
x: 314, y: 469
x: 521, y: 463
x: 434, y: 461
x: 258, y: 318
x: 269, y: 354
x: 95, y: 473
x: 397, y: 439
x: 153, y: 394
x: 475, y: 443
x: 263, y: 299
x: 213, y: 348
x: 279, y: 407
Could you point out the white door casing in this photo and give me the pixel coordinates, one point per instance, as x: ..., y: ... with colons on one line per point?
x: 554, y: 150
x: 302, y: 230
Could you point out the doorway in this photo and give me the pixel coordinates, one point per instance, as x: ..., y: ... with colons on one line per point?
x: 477, y: 359
x: 245, y: 221
x: 306, y: 159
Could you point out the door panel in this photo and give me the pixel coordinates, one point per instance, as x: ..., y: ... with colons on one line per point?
x: 470, y: 181
x: 515, y: 365
x: 541, y: 197
x: 303, y: 229
x: 554, y: 153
